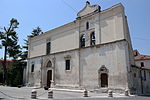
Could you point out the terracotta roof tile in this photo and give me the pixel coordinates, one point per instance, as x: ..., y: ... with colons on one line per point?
x: 142, y: 57
x: 6, y: 60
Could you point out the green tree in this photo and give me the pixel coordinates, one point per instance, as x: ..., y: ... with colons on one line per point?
x: 15, y: 73
x: 9, y: 39
x: 25, y: 52
x: 37, y: 31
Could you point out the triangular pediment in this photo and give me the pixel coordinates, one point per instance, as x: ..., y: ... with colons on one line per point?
x: 88, y: 9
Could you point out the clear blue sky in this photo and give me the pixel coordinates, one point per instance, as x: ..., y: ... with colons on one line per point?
x: 49, y: 14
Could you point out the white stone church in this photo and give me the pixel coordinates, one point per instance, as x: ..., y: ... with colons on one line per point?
x: 93, y: 52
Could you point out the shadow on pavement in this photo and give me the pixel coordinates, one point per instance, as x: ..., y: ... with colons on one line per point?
x: 144, y: 95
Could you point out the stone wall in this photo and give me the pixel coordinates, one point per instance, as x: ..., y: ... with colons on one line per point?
x: 85, y: 64
x: 140, y: 81
x: 108, y: 26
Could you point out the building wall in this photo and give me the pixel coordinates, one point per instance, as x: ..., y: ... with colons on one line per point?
x: 34, y: 78
x: 65, y: 77
x: 144, y: 79
x: 92, y: 59
x: 111, y: 24
x: 85, y: 64
x: 67, y: 35
x: 135, y: 75
x: 146, y: 63
x: 107, y: 25
x: 141, y: 81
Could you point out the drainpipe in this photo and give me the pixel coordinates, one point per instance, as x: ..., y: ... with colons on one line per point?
x: 28, y: 61
x: 53, y: 70
x: 141, y: 80
x: 80, y: 75
x: 28, y: 71
x: 41, y: 70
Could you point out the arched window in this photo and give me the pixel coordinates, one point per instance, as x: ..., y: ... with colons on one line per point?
x: 92, y: 38
x: 87, y: 25
x: 49, y: 64
x: 82, y: 41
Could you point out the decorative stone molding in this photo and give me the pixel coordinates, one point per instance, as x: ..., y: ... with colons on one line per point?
x: 67, y: 57
x: 88, y: 9
x: 103, y: 69
x: 48, y: 39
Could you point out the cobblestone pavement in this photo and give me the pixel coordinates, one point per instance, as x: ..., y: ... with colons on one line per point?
x: 24, y: 93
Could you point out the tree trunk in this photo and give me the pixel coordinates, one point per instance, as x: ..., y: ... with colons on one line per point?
x: 5, y: 66
x: 5, y: 63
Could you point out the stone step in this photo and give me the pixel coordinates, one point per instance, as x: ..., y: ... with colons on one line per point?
x: 102, y: 90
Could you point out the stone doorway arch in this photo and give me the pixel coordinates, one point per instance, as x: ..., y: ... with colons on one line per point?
x: 49, y: 74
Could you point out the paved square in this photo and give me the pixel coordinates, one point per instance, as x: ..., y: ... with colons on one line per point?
x: 24, y: 93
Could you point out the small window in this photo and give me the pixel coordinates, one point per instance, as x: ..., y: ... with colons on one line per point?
x: 82, y: 41
x: 67, y: 64
x: 87, y: 25
x: 48, y: 48
x: 32, y: 68
x: 92, y: 38
x: 142, y: 64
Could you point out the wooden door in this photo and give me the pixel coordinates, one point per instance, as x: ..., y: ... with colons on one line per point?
x: 49, y: 78
x: 104, y: 80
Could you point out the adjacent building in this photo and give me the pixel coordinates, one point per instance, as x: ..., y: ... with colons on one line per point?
x: 141, y: 73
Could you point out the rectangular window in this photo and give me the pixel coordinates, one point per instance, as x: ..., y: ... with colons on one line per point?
x: 134, y: 75
x: 142, y: 64
x: 48, y: 48
x: 32, y: 68
x: 67, y: 64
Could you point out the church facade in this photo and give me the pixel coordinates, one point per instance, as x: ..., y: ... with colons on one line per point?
x: 94, y: 51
